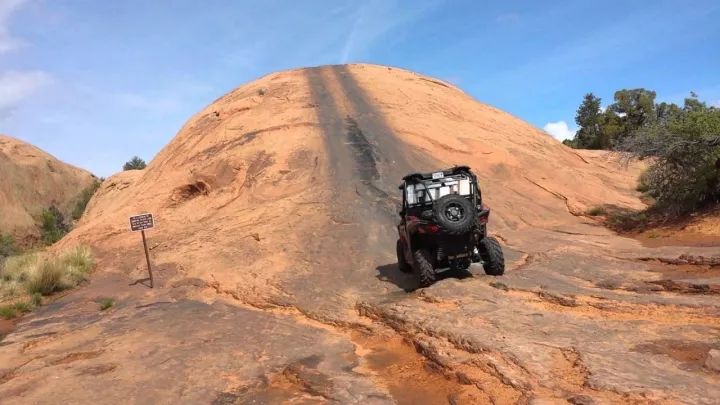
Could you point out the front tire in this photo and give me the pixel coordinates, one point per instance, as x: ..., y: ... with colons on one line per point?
x: 492, y: 256
x: 424, y: 268
x: 402, y: 263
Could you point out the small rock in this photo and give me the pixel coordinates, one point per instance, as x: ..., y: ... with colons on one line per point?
x: 581, y: 400
x: 713, y: 360
x: 499, y: 286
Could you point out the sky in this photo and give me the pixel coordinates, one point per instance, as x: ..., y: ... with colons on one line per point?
x: 97, y: 82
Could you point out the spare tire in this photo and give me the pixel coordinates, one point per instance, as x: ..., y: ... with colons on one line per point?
x: 454, y: 214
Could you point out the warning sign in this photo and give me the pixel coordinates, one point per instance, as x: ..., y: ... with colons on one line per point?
x: 141, y: 222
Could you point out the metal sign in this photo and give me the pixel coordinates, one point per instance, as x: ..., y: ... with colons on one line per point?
x: 141, y: 222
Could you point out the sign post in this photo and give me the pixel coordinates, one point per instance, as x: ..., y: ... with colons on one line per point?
x: 141, y: 223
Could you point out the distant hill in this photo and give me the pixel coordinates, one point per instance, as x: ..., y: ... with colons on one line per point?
x: 31, y: 180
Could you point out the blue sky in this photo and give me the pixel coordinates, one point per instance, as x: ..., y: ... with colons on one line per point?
x: 96, y: 82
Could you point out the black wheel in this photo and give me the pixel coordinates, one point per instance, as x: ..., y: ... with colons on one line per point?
x: 492, y: 256
x: 423, y: 267
x: 455, y: 214
x: 402, y: 263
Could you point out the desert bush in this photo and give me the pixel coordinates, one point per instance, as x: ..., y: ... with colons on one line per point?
x: 83, y: 199
x: 43, y: 275
x: 106, y: 303
x: 625, y: 221
x: 46, y: 279
x: 595, y: 211
x: 17, y: 268
x: 7, y: 246
x: 52, y: 226
x: 76, y: 265
x: 643, y: 185
x: 684, y: 174
x: 8, y: 311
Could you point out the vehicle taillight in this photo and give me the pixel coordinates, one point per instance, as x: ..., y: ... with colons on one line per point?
x: 484, y: 214
x: 430, y: 228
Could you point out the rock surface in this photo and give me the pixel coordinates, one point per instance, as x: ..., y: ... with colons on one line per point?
x: 276, y: 277
x: 713, y: 360
x: 31, y: 181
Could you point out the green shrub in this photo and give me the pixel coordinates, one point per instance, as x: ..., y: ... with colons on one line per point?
x: 52, y: 225
x: 36, y: 299
x: 625, y: 221
x: 8, y: 311
x: 595, y: 211
x: 84, y: 199
x: 106, y: 303
x: 23, y: 307
x: 7, y: 246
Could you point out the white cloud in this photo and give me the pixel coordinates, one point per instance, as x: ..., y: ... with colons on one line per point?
x: 7, y: 42
x: 16, y: 86
x: 559, y: 130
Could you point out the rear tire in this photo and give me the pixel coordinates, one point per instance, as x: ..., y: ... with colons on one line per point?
x: 492, y: 256
x: 424, y: 268
x: 402, y: 263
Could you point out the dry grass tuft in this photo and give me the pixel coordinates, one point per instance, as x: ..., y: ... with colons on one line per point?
x: 33, y: 274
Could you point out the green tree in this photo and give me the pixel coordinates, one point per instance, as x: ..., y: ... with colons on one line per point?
x: 134, y: 164
x: 692, y: 103
x: 588, y: 118
x: 635, y: 108
x: 665, y: 112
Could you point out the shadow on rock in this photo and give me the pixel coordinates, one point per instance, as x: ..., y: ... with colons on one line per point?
x: 391, y: 273
x: 408, y: 282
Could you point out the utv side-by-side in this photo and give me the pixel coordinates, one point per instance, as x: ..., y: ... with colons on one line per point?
x: 444, y: 225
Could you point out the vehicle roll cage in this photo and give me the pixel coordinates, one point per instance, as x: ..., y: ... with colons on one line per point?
x: 415, y: 178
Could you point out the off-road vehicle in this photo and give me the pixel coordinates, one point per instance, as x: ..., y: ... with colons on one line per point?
x: 444, y: 225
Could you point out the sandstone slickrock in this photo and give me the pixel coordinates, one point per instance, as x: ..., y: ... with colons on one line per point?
x: 713, y: 360
x: 275, y: 213
x: 30, y: 181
